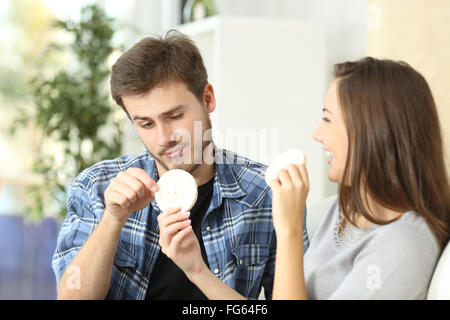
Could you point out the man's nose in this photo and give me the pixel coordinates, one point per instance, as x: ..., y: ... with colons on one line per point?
x: 165, y: 136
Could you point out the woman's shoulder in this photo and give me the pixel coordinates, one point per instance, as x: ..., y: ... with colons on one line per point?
x: 409, y: 233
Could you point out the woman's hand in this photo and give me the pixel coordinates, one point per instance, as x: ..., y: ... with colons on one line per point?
x: 179, y: 242
x: 288, y: 209
x: 289, y: 198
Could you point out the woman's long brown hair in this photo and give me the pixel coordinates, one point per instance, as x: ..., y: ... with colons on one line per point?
x: 395, y: 146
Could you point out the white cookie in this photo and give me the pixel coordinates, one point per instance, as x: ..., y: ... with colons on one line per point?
x: 177, y: 188
x: 292, y: 156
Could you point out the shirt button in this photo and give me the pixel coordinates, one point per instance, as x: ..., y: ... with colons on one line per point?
x: 208, y: 228
x: 216, y: 271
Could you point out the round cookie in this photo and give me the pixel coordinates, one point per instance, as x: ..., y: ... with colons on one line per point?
x: 177, y: 188
x: 292, y: 156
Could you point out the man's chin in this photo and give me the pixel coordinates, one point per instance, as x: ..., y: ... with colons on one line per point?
x: 189, y: 168
x: 174, y: 164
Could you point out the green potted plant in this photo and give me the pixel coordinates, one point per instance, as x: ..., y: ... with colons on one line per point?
x: 73, y: 110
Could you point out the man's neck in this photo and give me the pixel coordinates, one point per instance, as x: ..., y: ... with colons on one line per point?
x: 203, y: 173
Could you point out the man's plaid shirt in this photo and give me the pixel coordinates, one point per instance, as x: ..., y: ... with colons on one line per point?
x: 237, y: 229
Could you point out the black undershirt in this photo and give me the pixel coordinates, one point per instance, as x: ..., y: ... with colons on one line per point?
x: 167, y: 281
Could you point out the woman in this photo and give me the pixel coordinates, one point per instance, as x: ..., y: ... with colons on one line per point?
x: 383, y: 235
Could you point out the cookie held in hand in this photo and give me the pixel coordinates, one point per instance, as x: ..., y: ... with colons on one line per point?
x: 292, y: 156
x: 177, y: 189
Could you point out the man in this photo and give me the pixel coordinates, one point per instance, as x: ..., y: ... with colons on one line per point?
x: 109, y: 244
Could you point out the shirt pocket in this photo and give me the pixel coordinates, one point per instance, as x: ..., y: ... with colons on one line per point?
x: 124, y: 270
x: 124, y: 259
x: 250, y: 263
x: 250, y: 254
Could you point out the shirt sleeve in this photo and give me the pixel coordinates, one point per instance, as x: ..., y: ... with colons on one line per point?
x: 76, y: 228
x: 386, y: 271
x: 269, y: 272
x: 305, y: 234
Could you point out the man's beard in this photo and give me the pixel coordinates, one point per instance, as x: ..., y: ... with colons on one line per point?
x: 190, y: 165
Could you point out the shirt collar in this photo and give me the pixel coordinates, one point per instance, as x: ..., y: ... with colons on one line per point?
x: 226, y: 184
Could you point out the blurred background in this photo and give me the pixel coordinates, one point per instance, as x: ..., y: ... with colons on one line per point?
x: 270, y: 63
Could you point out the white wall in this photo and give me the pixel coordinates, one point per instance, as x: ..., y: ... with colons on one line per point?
x: 345, y: 22
x: 345, y: 19
x: 269, y: 78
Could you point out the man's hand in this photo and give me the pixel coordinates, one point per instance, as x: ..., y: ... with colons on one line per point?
x: 129, y: 191
x: 179, y: 242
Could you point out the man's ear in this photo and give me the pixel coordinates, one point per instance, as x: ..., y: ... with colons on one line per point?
x: 208, y: 98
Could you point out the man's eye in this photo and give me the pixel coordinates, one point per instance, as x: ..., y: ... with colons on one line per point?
x: 147, y: 125
x: 177, y: 116
x: 325, y: 119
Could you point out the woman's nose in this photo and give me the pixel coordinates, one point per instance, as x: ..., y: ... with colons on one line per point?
x: 317, y: 134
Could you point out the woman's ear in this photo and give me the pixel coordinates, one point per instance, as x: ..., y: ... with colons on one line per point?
x: 208, y: 98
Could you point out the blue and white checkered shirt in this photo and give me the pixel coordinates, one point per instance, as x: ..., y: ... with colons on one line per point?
x: 237, y: 228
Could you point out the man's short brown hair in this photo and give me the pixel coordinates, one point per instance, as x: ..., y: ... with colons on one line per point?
x: 156, y: 61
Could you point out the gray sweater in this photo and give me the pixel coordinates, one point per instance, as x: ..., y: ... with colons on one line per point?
x: 394, y: 261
